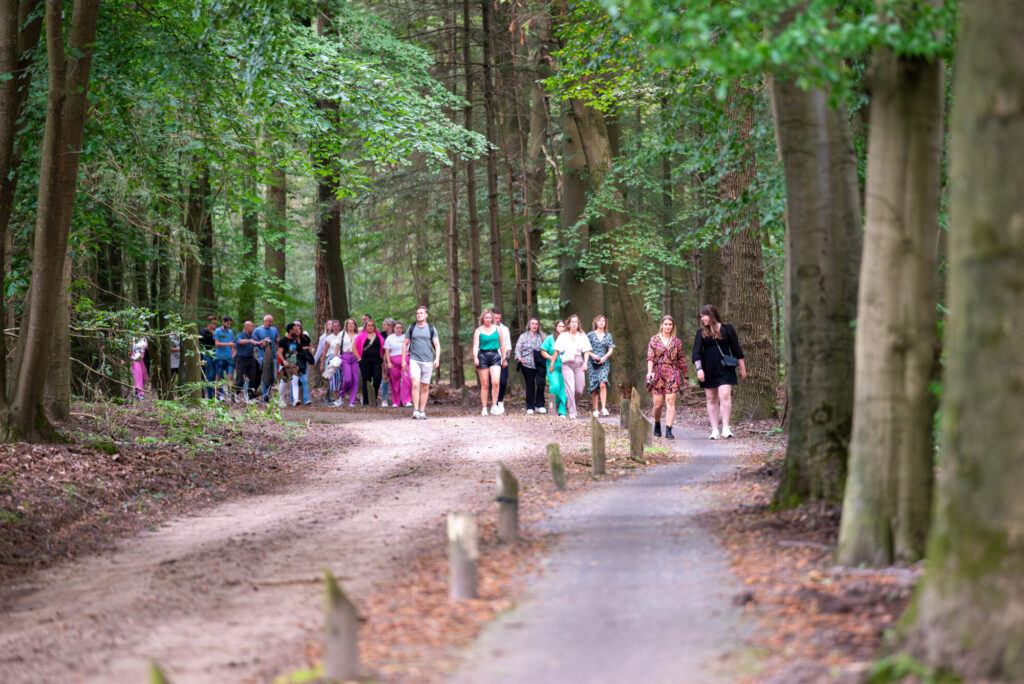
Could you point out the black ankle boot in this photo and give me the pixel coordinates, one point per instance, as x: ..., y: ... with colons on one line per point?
x: 668, y: 432
x: 657, y: 429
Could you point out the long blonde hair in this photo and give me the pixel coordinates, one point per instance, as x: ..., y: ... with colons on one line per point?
x: 667, y: 317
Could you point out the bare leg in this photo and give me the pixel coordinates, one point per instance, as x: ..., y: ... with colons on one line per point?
x: 712, y: 397
x: 604, y: 395
x: 495, y: 372
x: 659, y: 401
x: 670, y: 409
x: 424, y: 395
x: 725, y: 401
x: 593, y: 401
x: 485, y: 385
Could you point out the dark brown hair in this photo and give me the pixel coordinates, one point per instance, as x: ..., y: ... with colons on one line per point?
x: 709, y: 330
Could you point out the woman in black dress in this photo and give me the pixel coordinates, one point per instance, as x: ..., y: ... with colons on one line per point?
x: 714, y: 342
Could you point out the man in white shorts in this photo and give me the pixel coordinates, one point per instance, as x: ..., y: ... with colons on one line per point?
x: 421, y: 354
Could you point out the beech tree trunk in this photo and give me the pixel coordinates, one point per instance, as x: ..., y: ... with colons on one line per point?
x: 250, y: 251
x: 275, y: 216
x: 474, y: 220
x: 970, y: 604
x: 535, y: 164
x: 889, y: 487
x: 58, y: 174
x: 823, y: 225
x: 195, y: 216
x: 747, y: 305
x: 492, y: 159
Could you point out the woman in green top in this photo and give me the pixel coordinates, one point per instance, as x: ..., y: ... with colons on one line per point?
x: 554, y: 366
x: 487, y: 357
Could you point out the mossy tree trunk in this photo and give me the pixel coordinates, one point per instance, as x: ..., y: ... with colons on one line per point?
x: 823, y: 238
x: 970, y: 606
x: 888, y: 491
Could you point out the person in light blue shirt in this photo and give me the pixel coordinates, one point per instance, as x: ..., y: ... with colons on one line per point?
x: 265, y: 337
x: 224, y: 356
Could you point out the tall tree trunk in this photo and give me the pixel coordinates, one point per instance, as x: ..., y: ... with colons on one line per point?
x: 20, y: 27
x: 275, y: 237
x: 195, y: 217
x: 474, y: 220
x: 535, y: 163
x: 746, y: 295
x: 579, y: 293
x: 970, y: 605
x: 57, y: 394
x: 492, y: 158
x: 823, y: 226
x: 165, y: 305
x: 207, y: 297
x: 329, y: 246
x: 250, y: 257
x: 889, y: 488
x: 454, y: 302
x: 58, y: 175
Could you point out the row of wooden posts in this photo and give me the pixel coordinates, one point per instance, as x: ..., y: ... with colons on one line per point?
x: 341, y: 645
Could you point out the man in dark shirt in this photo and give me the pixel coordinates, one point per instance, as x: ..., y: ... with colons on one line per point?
x: 209, y: 345
x: 288, y: 356
x: 246, y: 367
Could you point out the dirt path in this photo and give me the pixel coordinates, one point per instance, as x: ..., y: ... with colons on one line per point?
x: 231, y: 594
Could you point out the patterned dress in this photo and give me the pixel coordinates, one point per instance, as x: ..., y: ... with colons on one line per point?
x: 669, y: 365
x: 598, y: 372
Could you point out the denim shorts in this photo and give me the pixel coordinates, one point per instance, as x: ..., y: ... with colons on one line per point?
x: 488, y: 358
x: 223, y: 368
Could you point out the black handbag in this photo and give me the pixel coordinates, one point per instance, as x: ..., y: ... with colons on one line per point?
x: 538, y: 359
x: 728, y: 361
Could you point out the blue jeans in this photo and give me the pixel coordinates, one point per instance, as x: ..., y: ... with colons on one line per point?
x: 208, y: 372
x: 304, y: 384
x: 223, y: 368
x: 385, y: 391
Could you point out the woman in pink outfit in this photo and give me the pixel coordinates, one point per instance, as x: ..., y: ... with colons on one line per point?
x: 401, y: 382
x: 139, y: 374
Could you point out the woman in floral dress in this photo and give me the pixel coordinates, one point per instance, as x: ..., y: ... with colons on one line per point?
x: 666, y: 373
x: 601, y: 348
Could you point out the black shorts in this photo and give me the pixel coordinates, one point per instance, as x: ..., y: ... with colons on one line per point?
x: 488, y: 358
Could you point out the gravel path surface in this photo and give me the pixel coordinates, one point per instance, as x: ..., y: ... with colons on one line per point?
x: 232, y: 594
x: 635, y: 591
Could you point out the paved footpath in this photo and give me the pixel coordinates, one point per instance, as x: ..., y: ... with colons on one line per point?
x: 636, y: 591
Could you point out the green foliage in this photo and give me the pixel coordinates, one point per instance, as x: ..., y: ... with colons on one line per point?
x: 897, y: 668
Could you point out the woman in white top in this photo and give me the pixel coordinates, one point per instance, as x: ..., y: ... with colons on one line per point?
x: 349, y: 363
x: 573, y: 348
x: 401, y: 384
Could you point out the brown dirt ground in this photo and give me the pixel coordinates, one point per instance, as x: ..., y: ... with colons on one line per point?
x: 137, y: 542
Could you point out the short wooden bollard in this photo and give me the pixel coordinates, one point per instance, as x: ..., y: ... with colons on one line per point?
x: 624, y: 414
x: 597, y: 454
x: 156, y: 675
x: 462, y: 555
x: 341, y: 643
x: 508, y: 505
x: 636, y: 437
x: 557, y: 468
x: 636, y: 409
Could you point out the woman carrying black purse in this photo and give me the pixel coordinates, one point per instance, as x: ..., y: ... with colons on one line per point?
x: 717, y: 356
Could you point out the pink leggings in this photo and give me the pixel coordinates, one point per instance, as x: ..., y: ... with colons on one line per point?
x: 349, y: 376
x: 139, y: 373
x: 401, y: 383
x: 572, y: 376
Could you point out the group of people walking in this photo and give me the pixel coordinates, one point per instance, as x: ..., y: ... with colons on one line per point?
x: 557, y: 360
x: 397, y: 363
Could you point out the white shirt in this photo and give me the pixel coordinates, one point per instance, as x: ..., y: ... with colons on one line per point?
x: 571, y: 346
x: 394, y: 344
x: 506, y: 339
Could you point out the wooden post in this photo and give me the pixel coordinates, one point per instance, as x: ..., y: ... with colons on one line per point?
x: 156, y: 675
x: 647, y: 427
x: 557, y: 468
x: 624, y: 413
x: 597, y: 454
x: 508, y: 505
x: 341, y: 643
x: 636, y: 437
x: 462, y: 555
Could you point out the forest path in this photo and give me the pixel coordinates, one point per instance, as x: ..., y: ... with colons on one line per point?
x: 232, y: 593
x: 636, y: 591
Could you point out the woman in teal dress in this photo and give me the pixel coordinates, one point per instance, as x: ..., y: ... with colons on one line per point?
x: 601, y: 348
x: 554, y: 366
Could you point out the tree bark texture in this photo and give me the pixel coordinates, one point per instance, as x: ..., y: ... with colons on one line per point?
x: 274, y: 240
x: 823, y: 226
x: 454, y: 295
x: 535, y: 164
x: 889, y: 486
x: 250, y: 250
x: 747, y: 304
x: 67, y: 101
x: 195, y: 216
x: 471, y: 210
x: 970, y: 604
x: 329, y: 245
x: 492, y: 158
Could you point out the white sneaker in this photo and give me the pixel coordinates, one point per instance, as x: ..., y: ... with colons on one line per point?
x: 415, y: 415
x: 597, y: 414
x: 337, y: 404
x: 542, y: 410
x: 483, y: 412
x: 407, y: 404
x: 726, y: 432
x: 423, y: 415
x: 714, y: 434
x: 497, y: 409
x: 604, y: 412
x: 529, y: 412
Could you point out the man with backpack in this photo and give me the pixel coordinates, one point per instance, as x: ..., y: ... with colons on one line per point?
x: 421, y: 354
